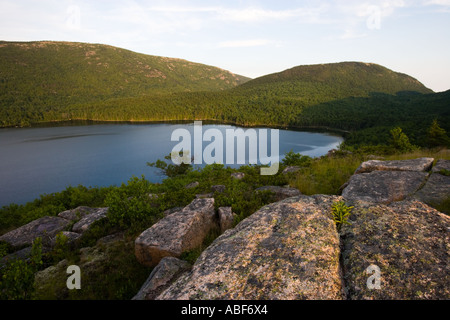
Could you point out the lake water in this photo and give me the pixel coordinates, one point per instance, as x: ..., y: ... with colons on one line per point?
x: 35, y: 161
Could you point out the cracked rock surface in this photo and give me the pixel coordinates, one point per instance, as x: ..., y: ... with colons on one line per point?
x: 286, y: 250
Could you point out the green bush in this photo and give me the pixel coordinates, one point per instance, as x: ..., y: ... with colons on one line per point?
x: 437, y: 136
x: 296, y: 159
x: 118, y: 277
x: 17, y: 277
x: 340, y: 212
x: 130, y: 204
x: 400, y: 141
x: 5, y: 249
x: 61, y: 249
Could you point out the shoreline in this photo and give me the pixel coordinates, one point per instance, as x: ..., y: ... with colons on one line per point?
x: 80, y: 122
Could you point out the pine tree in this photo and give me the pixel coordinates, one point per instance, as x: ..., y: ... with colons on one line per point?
x: 437, y: 136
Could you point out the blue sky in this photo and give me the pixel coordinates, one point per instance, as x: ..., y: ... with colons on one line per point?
x: 251, y: 38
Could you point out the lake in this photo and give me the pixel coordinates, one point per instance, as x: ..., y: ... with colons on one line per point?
x: 43, y: 160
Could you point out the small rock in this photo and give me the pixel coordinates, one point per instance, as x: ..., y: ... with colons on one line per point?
x: 238, y: 175
x: 85, y: 223
x: 226, y: 218
x: 280, y: 193
x: 218, y: 188
x: 92, y: 257
x: 335, y: 152
x: 441, y: 165
x: 77, y: 213
x: 383, y: 186
x: 155, y: 196
x: 111, y: 239
x: 167, y: 271
x: 46, y: 228
x: 331, y: 153
x: 436, y: 190
x: 417, y: 165
x: 192, y: 185
x: 291, y: 169
x: 179, y: 232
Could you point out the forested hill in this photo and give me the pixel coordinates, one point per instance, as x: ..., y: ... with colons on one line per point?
x: 338, y: 80
x: 45, y: 76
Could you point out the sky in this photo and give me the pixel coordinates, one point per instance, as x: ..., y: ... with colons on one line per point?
x: 251, y: 38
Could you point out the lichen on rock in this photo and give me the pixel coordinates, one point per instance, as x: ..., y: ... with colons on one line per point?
x: 287, y: 250
x: 408, y: 241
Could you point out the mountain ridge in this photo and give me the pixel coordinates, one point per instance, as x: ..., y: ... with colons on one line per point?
x: 349, y: 73
x: 93, y: 57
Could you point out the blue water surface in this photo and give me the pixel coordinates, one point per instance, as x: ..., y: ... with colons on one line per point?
x: 35, y: 161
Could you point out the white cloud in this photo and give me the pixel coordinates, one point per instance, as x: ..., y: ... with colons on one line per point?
x: 322, y: 13
x: 352, y: 34
x: 244, y: 43
x: 247, y: 14
x: 257, y: 14
x: 438, y: 2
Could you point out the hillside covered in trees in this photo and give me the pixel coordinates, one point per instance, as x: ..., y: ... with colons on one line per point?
x: 38, y: 80
x: 52, y: 81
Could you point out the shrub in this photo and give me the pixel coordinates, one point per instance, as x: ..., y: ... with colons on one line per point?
x: 340, y: 212
x: 130, y: 204
x: 118, y: 277
x: 61, y: 248
x: 17, y: 277
x: 5, y: 249
x: 436, y: 136
x: 296, y: 159
x: 400, y: 141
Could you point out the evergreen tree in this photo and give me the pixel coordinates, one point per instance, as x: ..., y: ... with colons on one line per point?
x: 437, y: 136
x: 400, y: 141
